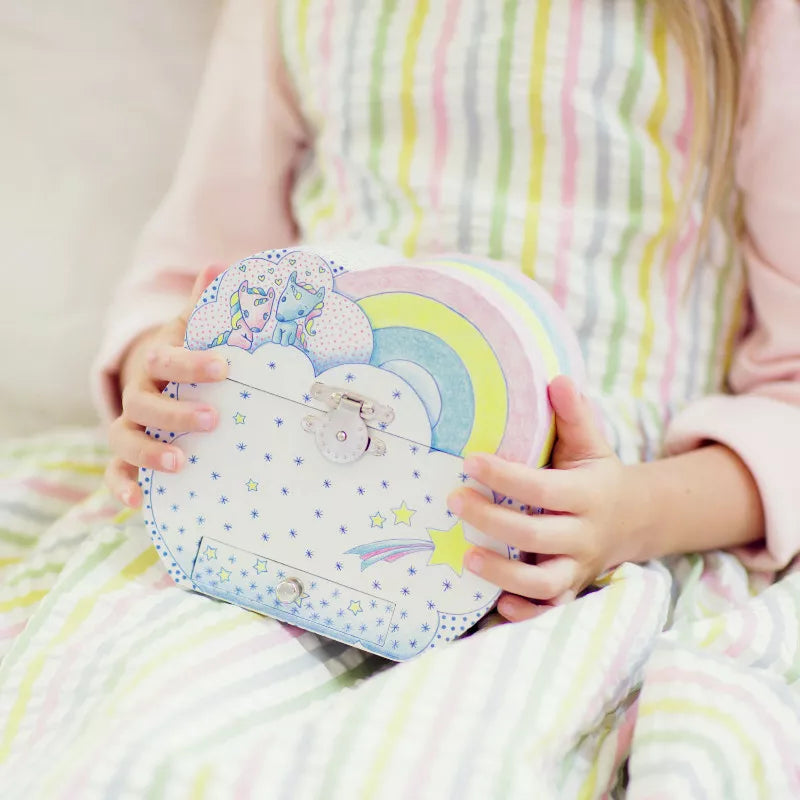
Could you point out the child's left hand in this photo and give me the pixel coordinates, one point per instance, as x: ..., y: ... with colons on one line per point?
x: 592, y: 521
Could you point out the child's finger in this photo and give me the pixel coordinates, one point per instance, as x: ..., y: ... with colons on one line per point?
x: 519, y: 609
x: 131, y: 444
x: 169, y: 363
x: 578, y: 433
x: 555, y: 490
x: 152, y: 410
x: 121, y: 480
x: 557, y: 534
x: 539, y: 582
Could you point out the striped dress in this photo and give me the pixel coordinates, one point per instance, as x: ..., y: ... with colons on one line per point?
x: 551, y: 135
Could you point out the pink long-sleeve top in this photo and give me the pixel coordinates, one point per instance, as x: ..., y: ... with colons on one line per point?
x: 443, y: 129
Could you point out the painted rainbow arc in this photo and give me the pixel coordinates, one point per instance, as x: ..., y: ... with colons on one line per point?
x: 488, y: 348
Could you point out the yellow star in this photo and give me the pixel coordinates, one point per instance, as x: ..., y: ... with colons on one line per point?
x: 239, y: 418
x: 449, y: 547
x: 299, y: 599
x: 355, y: 607
x: 260, y: 565
x: 377, y: 520
x: 224, y: 575
x: 252, y: 486
x: 211, y: 552
x: 402, y: 515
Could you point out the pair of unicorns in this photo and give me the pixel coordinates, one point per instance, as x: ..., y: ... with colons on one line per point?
x: 251, y: 308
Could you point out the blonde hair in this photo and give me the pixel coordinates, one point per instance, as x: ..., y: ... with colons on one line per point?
x: 711, y: 41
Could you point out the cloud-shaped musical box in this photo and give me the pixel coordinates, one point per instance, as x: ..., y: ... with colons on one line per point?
x: 353, y: 396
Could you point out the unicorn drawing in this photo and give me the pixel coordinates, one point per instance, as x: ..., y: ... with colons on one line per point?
x: 295, y: 311
x: 250, y: 310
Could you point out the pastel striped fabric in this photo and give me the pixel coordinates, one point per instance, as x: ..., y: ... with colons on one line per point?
x: 678, y: 680
x: 552, y: 135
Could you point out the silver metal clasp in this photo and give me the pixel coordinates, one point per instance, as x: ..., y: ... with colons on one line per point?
x: 342, y: 434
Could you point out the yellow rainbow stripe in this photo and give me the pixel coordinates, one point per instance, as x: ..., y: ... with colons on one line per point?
x: 302, y: 33
x: 530, y: 245
x: 654, y: 124
x: 410, y: 123
x: 236, y: 310
x: 74, y: 466
x: 199, y: 787
x: 24, y: 600
x: 402, y: 310
x: 711, y: 714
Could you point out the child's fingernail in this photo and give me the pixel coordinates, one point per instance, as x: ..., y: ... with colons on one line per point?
x: 474, y: 561
x: 455, y: 503
x: 216, y: 370
x: 169, y: 461
x: 509, y: 607
x: 205, y: 420
x: 474, y: 466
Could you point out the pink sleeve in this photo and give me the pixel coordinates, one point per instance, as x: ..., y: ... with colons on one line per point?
x: 230, y: 195
x: 762, y: 423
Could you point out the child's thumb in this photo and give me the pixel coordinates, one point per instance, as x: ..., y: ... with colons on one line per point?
x: 579, y: 436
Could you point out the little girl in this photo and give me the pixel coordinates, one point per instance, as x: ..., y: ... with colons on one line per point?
x: 592, y: 144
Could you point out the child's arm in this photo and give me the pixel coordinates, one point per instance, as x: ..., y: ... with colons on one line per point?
x: 762, y: 423
x: 230, y: 195
x: 732, y: 476
x: 229, y: 198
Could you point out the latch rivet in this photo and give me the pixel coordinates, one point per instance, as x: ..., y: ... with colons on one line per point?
x: 289, y: 590
x: 341, y: 436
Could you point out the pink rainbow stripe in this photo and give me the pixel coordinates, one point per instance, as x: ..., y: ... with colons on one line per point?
x: 325, y: 49
x: 13, y: 630
x: 570, y: 152
x: 59, y: 491
x: 749, y: 623
x: 713, y: 581
x: 683, y: 139
x: 439, y: 101
x: 409, y: 548
x: 397, y: 556
x: 625, y: 732
x: 102, y: 514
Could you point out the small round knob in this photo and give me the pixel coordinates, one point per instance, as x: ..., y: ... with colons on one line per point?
x: 289, y: 590
x: 341, y: 436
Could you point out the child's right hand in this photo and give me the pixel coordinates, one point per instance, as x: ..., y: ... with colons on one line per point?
x: 153, y: 360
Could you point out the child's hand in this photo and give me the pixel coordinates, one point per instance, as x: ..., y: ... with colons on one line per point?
x: 591, y: 524
x: 153, y: 360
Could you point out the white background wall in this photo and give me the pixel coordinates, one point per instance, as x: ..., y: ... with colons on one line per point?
x: 94, y: 103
